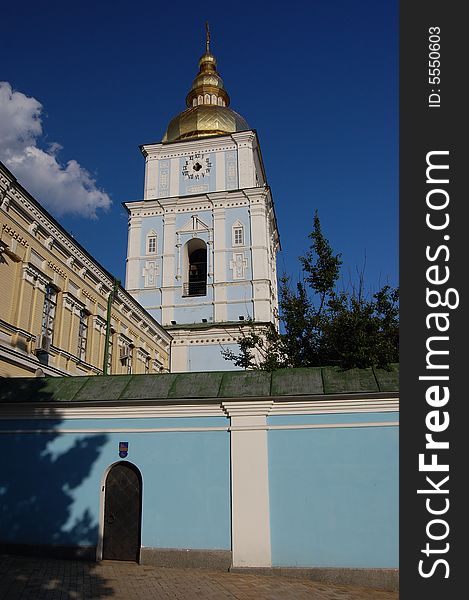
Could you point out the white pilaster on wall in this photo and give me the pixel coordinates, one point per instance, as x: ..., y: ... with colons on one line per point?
x: 133, y: 252
x: 151, y: 175
x: 250, y: 512
x: 219, y: 265
x: 169, y: 248
x: 246, y: 174
x: 174, y: 178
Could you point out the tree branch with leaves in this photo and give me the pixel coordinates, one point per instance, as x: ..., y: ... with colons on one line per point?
x: 321, y: 326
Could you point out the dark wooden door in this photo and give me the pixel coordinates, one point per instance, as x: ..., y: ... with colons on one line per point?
x: 122, y: 513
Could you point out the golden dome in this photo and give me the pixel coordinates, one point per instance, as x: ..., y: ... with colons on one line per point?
x: 202, y: 121
x: 207, y: 103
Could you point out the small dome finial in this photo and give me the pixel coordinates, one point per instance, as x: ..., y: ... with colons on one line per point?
x: 207, y: 38
x: 207, y: 102
x: 207, y: 87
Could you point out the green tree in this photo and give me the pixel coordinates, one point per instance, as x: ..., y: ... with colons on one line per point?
x: 322, y: 326
x: 361, y: 332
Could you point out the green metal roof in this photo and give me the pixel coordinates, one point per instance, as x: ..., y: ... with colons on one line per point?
x: 173, y: 387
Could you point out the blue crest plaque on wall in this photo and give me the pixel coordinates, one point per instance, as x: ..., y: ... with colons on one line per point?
x: 123, y: 449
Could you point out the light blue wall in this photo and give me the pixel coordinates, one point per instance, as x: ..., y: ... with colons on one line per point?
x: 188, y: 503
x: 234, y: 215
x: 149, y: 297
x: 194, y: 312
x: 237, y: 213
x: 235, y: 310
x: 239, y: 290
x: 156, y: 313
x: 50, y: 486
x: 334, y: 492
x: 202, y: 357
x: 154, y: 223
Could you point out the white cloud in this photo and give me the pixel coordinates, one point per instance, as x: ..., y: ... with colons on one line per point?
x: 63, y: 189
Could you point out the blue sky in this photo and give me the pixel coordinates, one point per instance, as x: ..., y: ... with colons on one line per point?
x: 88, y: 82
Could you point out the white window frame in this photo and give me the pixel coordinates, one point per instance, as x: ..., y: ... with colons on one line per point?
x: 238, y: 234
x: 152, y: 243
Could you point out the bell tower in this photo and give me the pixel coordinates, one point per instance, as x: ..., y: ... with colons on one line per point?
x: 202, y: 243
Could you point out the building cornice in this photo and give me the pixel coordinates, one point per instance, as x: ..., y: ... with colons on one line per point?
x: 214, y: 143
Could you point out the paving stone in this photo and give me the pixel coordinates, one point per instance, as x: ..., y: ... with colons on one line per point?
x: 25, y: 578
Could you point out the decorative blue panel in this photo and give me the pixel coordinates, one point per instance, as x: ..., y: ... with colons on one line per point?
x: 164, y: 167
x: 231, y: 170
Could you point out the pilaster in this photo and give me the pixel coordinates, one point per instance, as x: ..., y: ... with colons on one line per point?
x: 246, y: 173
x: 219, y: 264
x: 250, y: 512
x: 133, y: 253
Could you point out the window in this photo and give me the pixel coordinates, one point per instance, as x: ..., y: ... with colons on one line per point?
x: 126, y: 354
x: 151, y: 243
x: 48, y: 313
x: 82, y: 334
x: 147, y: 364
x: 196, y: 268
x: 238, y: 234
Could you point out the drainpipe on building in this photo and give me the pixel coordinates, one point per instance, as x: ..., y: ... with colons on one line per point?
x: 110, y: 299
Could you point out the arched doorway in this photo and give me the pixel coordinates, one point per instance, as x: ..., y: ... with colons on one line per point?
x: 195, y: 283
x: 122, y: 513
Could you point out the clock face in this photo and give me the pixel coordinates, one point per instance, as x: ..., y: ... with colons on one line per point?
x: 196, y: 166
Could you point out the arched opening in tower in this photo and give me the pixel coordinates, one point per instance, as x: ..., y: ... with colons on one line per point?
x: 196, y: 276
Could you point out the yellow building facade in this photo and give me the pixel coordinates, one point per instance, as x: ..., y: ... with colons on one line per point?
x: 54, y: 298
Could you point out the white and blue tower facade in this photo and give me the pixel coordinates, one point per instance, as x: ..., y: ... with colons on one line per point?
x: 202, y: 243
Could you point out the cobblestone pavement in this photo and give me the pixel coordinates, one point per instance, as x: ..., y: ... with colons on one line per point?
x: 24, y: 578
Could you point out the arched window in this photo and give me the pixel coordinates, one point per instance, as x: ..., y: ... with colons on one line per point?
x: 195, y: 281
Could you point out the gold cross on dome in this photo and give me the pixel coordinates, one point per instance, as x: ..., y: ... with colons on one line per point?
x: 207, y: 38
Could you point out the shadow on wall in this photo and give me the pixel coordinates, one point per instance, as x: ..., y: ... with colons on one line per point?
x: 40, y: 473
